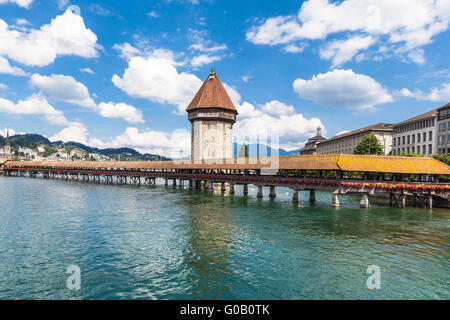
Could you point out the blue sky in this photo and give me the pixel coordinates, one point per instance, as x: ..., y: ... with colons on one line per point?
x: 120, y: 73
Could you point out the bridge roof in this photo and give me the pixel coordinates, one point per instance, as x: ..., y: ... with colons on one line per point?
x: 387, y: 164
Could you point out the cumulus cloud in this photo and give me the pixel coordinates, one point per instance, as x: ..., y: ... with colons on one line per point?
x: 158, y: 80
x: 343, y: 89
x: 63, y: 88
x: 65, y: 35
x: 12, y: 132
x: 435, y: 94
x: 341, y: 51
x: 204, y: 59
x: 3, y: 86
x: 75, y: 132
x: 278, y: 108
x: 21, y: 3
x: 120, y: 110
x: 34, y: 105
x: 5, y: 67
x: 291, y: 129
x: 403, y: 24
x: 175, y: 145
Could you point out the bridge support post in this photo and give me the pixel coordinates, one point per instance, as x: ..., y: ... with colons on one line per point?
x: 222, y: 188
x: 364, y: 203
x: 174, y: 183
x: 430, y: 201
x: 190, y: 183
x: 335, y: 200
x: 231, y: 188
x: 180, y: 183
x: 260, y: 192
x: 312, y: 196
x: 272, y: 194
x: 295, y: 196
x: 166, y: 182
x: 245, y: 192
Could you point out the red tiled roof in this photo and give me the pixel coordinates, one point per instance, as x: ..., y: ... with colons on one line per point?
x: 379, y: 126
x: 420, y: 116
x: 211, y: 94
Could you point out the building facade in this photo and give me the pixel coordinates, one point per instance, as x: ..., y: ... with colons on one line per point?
x: 6, y: 152
x: 346, y: 143
x: 212, y: 115
x: 443, y: 129
x: 416, y: 135
x: 311, y: 145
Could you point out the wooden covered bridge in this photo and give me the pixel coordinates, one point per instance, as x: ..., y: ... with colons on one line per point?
x: 404, y: 180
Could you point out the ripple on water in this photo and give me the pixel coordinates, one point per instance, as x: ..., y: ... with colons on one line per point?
x: 164, y: 243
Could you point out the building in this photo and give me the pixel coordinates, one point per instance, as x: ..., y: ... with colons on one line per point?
x: 212, y: 115
x: 346, y: 143
x: 443, y: 129
x: 311, y: 145
x: 416, y: 135
x: 6, y: 152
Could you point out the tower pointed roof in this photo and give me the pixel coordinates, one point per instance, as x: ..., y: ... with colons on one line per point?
x: 7, y: 138
x: 212, y: 94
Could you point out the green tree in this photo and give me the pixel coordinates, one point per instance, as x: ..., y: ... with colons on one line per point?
x: 243, y: 153
x: 445, y: 158
x: 369, y: 145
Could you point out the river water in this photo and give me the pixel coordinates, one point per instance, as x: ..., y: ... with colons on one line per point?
x: 156, y: 242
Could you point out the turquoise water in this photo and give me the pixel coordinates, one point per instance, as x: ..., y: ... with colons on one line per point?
x: 163, y: 243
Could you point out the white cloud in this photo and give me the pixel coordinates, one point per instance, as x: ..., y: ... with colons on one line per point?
x: 21, y: 3
x: 403, y: 24
x: 417, y: 56
x: 34, y: 105
x: 99, y: 10
x: 294, y: 48
x: 435, y: 94
x: 204, y: 59
x: 157, y: 80
x: 276, y: 107
x: 291, y: 129
x: 173, y: 145
x: 12, y: 132
x: 75, y: 132
x: 3, y: 86
x: 246, y: 78
x: 65, y: 35
x: 5, y: 67
x: 87, y: 70
x: 341, y: 51
x: 203, y: 48
x: 120, y: 110
x: 343, y: 89
x: 64, y: 88
x: 153, y: 14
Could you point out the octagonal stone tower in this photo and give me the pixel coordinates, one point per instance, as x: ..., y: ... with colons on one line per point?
x: 212, y: 115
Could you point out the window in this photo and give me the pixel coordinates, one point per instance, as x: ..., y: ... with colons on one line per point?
x: 430, y: 149
x: 394, y: 142
x: 413, y: 149
x: 424, y: 149
x: 403, y: 140
x: 424, y: 136
x: 407, y: 150
x: 430, y: 136
x: 413, y: 138
x: 409, y: 139
x: 398, y: 140
x: 418, y: 137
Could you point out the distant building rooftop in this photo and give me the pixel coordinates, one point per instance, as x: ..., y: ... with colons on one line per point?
x: 375, y: 127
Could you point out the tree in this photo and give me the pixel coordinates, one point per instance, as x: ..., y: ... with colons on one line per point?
x: 445, y: 158
x: 369, y: 145
x: 243, y: 153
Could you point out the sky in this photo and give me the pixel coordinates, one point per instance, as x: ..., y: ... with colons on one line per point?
x: 121, y: 73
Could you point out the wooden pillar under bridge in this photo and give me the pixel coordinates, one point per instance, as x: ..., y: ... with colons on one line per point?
x: 231, y: 188
x: 272, y: 194
x: 245, y: 192
x: 295, y: 196
x: 190, y: 183
x: 260, y: 192
x: 222, y: 188
x: 312, y: 196
x: 166, y: 182
x: 430, y: 201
